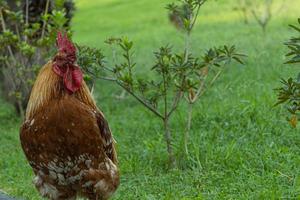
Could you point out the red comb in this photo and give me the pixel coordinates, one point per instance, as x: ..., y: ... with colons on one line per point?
x: 65, y: 45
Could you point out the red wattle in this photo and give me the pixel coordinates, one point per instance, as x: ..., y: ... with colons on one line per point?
x: 73, y: 79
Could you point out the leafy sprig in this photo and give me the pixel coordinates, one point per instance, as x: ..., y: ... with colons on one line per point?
x: 289, y: 93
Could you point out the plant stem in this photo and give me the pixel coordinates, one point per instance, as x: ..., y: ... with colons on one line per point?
x: 45, y: 20
x: 211, y: 83
x: 215, y: 77
x: 114, y: 55
x: 114, y: 58
x: 139, y: 99
x: 200, y: 90
x: 21, y: 109
x: 17, y: 31
x: 142, y: 101
x: 26, y: 17
x: 129, y: 64
x: 168, y: 138
x: 4, y: 29
x: 245, y: 15
x: 187, y: 46
x: 188, y: 128
x: 175, y: 102
x: 187, y: 51
x: 196, y: 16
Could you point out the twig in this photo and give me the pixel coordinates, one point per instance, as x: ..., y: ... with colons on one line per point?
x: 45, y: 20
x: 196, y: 16
x: 268, y: 12
x: 168, y: 136
x: 17, y: 31
x: 200, y: 89
x: 141, y: 101
x: 188, y: 128
x: 175, y: 102
x: 107, y: 78
x: 4, y: 29
x: 212, y: 81
x: 282, y: 174
x: 26, y: 17
x: 215, y: 77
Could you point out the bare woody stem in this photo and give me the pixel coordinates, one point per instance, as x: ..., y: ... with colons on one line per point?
x: 188, y: 128
x: 168, y: 139
x: 141, y: 100
x: 215, y: 77
x: 187, y: 51
x: 190, y: 115
x: 168, y: 135
x: 26, y: 17
x: 20, y: 106
x: 4, y: 29
x: 211, y: 83
x: 196, y: 16
x: 188, y: 33
x: 264, y: 22
x: 191, y: 102
x: 27, y: 12
x: 45, y: 20
x: 187, y: 46
x: 176, y: 101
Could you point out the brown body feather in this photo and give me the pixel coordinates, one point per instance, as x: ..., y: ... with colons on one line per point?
x: 68, y: 142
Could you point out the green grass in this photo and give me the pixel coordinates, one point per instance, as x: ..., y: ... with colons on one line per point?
x: 244, y: 147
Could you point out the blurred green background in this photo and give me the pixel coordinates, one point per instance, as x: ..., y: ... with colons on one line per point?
x: 244, y: 146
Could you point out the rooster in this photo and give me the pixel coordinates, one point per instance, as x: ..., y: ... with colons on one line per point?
x: 65, y: 137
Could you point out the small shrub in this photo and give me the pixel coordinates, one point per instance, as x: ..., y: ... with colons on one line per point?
x: 243, y: 7
x: 27, y: 38
x: 176, y: 74
x: 289, y: 93
x: 261, y: 10
x: 262, y: 13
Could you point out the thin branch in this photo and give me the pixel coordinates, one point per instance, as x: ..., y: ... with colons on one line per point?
x: 186, y: 47
x: 281, y: 7
x: 129, y: 63
x: 17, y: 31
x: 196, y: 16
x: 165, y: 96
x: 188, y: 128
x: 107, y: 78
x: 268, y: 12
x: 27, y: 12
x: 2, y: 20
x: 45, y: 20
x: 215, y: 77
x: 141, y: 100
x: 212, y: 82
x: 4, y: 29
x: 26, y: 17
x: 256, y: 17
x: 108, y: 69
x: 175, y: 102
x: 199, y: 91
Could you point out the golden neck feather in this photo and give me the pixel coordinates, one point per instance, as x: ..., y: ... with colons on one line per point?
x: 49, y: 86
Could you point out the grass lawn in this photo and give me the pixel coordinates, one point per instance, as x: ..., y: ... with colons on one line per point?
x: 244, y: 148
